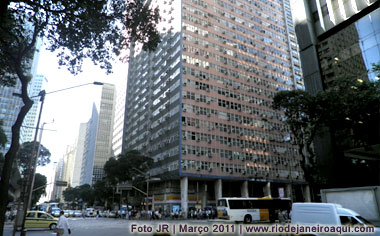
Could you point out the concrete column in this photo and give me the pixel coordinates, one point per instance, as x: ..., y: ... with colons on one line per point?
x: 267, y: 192
x: 184, y: 194
x: 306, y: 193
x: 204, y: 195
x: 288, y: 190
x: 218, y: 189
x: 244, y: 189
x: 153, y: 202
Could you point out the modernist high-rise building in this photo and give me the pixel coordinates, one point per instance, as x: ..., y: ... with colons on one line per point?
x: 200, y: 105
x: 58, y: 176
x: 29, y: 126
x: 118, y: 127
x: 337, y: 38
x: 89, y: 148
x: 64, y: 172
x: 340, y: 39
x: 79, y: 154
x: 98, y: 144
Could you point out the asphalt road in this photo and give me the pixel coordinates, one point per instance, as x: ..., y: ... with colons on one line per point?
x: 105, y: 227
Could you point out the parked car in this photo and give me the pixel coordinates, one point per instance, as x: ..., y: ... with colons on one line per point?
x: 55, y: 212
x: 90, y: 212
x: 77, y: 213
x: 67, y: 213
x: 111, y: 214
x: 40, y: 219
x: 71, y: 213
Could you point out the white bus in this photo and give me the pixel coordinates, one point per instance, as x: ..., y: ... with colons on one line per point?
x: 248, y: 210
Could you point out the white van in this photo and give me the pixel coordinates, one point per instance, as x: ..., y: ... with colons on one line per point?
x: 90, y: 212
x: 312, y: 214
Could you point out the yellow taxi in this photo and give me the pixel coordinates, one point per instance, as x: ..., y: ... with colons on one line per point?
x: 40, y: 219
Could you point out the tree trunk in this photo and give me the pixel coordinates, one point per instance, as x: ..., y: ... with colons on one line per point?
x: 11, y: 154
x: 3, y: 9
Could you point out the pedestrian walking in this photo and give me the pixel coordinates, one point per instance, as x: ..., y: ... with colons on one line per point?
x: 62, y: 225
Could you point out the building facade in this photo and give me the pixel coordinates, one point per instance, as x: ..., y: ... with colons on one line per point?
x: 89, y: 148
x: 103, y: 143
x: 56, y: 194
x: 337, y: 39
x: 117, y: 137
x: 200, y: 105
x: 28, y: 128
x: 79, y: 154
x: 98, y: 144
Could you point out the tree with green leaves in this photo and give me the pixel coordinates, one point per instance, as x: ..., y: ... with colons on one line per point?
x: 83, y: 193
x: 74, y: 29
x: 103, y: 192
x: 40, y: 182
x: 304, y: 117
x: 25, y: 152
x: 128, y: 167
x: 123, y: 168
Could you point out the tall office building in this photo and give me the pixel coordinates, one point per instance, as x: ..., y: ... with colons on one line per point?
x: 89, y: 148
x: 341, y: 39
x: 64, y: 172
x: 117, y: 137
x: 98, y: 145
x: 200, y: 105
x: 79, y: 154
x: 10, y: 106
x: 103, y: 143
x: 69, y: 164
x: 58, y: 176
x: 337, y: 38
x: 28, y: 128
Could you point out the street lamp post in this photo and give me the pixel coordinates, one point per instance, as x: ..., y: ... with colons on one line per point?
x: 35, y: 163
x: 147, y: 190
x: 147, y: 177
x: 33, y: 160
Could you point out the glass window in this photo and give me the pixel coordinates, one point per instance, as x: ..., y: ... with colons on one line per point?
x: 222, y: 203
x: 42, y: 215
x: 348, y: 220
x: 369, y: 42
x: 364, y: 26
x: 375, y: 16
x: 31, y: 214
x: 365, y: 221
x: 372, y: 55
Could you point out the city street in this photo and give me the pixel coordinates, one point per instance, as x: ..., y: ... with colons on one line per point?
x: 107, y: 226
x: 87, y: 226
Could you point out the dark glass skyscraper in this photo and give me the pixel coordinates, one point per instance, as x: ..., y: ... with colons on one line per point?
x: 341, y: 39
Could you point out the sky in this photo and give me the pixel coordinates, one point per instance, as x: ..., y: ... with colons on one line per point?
x: 65, y: 110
